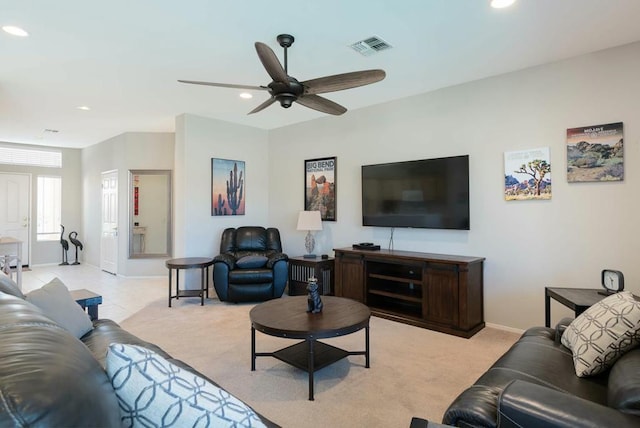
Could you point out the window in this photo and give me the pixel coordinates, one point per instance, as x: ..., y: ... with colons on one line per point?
x: 30, y: 157
x: 49, y: 208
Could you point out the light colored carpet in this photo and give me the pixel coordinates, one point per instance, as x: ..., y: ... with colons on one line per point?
x: 414, y: 371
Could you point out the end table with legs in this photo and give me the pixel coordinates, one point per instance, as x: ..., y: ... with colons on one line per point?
x: 87, y: 300
x: 577, y: 299
x: 201, y: 263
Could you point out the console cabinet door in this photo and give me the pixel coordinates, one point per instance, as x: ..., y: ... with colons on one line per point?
x: 440, y: 302
x: 349, y: 277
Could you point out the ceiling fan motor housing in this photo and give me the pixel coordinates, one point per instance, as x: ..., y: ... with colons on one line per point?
x: 286, y: 93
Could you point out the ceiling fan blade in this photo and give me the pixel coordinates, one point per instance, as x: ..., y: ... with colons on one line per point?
x: 225, y: 85
x: 338, y: 82
x: 271, y: 63
x: 263, y: 106
x: 321, y: 104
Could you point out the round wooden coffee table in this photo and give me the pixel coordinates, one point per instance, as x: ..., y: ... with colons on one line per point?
x: 288, y: 317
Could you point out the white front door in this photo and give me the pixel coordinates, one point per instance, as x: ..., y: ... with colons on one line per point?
x: 109, y: 236
x: 15, y: 196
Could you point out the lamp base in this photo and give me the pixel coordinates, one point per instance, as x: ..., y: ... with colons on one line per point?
x: 309, y: 256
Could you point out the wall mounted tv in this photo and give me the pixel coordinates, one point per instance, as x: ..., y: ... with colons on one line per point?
x: 427, y: 193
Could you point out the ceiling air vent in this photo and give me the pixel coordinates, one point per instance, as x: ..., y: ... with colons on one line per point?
x: 370, y: 46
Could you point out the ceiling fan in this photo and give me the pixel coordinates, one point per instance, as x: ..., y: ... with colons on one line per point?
x: 287, y: 90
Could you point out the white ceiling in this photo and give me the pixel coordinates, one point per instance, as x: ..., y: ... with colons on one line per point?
x: 123, y: 57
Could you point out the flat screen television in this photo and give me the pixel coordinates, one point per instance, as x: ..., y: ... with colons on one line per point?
x: 427, y: 193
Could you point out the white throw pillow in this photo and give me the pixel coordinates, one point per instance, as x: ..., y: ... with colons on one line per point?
x: 56, y: 302
x: 603, y: 333
x: 154, y: 392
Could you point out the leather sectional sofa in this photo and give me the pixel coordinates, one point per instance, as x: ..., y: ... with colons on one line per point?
x: 535, y: 384
x: 49, y: 378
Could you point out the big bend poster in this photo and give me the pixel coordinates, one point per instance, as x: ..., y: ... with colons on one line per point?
x: 320, y: 187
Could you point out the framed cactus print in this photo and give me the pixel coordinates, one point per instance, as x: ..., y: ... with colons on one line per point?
x: 227, y: 187
x: 320, y: 187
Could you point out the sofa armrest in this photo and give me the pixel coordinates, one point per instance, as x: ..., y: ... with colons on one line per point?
x: 561, y: 327
x: 275, y: 258
x: 527, y: 404
x: 227, y: 259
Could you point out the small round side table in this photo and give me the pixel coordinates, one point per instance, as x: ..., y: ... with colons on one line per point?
x: 203, y: 264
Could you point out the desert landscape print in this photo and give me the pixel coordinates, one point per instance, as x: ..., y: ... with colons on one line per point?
x: 595, y: 153
x: 527, y: 175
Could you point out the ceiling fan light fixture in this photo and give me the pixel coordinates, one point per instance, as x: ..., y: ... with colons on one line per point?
x: 286, y: 100
x: 500, y: 4
x: 246, y: 95
x: 15, y: 31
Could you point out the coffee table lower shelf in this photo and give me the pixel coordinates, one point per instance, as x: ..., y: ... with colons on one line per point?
x: 310, y: 360
x: 298, y: 355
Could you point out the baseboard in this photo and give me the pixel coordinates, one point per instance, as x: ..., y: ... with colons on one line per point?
x: 504, y: 328
x: 32, y: 265
x: 143, y: 277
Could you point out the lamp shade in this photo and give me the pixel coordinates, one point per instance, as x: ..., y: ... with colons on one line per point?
x: 309, y: 220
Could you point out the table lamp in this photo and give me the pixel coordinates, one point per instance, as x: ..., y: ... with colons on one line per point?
x: 309, y: 220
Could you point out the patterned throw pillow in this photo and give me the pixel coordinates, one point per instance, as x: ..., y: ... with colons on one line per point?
x: 603, y: 333
x: 152, y: 392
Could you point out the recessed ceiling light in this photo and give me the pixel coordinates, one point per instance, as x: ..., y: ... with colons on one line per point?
x: 246, y: 95
x: 85, y: 108
x: 499, y: 4
x: 15, y: 31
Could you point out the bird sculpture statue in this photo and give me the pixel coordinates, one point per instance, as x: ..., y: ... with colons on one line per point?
x: 65, y: 248
x: 73, y: 237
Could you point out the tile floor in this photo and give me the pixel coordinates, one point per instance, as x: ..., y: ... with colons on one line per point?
x: 121, y: 297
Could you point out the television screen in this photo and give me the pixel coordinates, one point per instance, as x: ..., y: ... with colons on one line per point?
x: 428, y: 193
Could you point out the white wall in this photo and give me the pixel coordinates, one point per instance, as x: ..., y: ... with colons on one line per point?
x: 528, y: 245
x: 199, y: 139
x: 50, y: 252
x: 132, y: 150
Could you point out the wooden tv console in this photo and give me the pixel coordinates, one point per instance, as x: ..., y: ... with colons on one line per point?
x: 435, y: 291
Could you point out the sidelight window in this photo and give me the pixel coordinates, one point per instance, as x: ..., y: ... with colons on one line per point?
x: 49, y: 208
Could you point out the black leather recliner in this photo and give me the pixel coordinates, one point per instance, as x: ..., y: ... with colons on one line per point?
x: 251, y: 265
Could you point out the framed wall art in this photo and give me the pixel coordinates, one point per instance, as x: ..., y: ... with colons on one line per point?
x: 595, y: 153
x: 527, y: 174
x: 320, y: 187
x: 227, y: 187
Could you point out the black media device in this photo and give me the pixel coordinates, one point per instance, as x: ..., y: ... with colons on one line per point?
x: 366, y: 246
x: 427, y: 193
